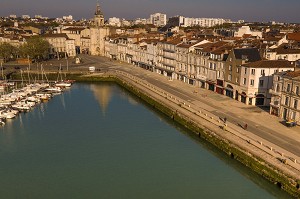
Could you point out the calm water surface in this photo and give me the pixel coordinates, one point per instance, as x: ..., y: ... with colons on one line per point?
x: 98, y: 141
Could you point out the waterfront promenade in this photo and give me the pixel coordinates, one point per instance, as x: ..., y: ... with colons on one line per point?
x: 265, y: 136
x: 259, y: 121
x: 264, y: 131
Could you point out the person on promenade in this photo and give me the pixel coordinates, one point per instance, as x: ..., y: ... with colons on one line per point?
x: 246, y: 125
x: 225, y: 119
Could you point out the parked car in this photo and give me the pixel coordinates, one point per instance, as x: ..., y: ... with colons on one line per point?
x: 92, y: 69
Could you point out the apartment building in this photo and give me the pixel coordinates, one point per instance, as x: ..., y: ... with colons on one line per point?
x: 158, y: 19
x: 236, y: 58
x: 284, y: 51
x: 256, y: 78
x: 185, y: 68
x: 285, y: 99
x: 167, y: 57
x: 213, y: 57
x: 114, y: 21
x: 202, y: 22
x: 61, y: 45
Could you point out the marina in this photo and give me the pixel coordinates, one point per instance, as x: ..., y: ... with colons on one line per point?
x: 23, y: 99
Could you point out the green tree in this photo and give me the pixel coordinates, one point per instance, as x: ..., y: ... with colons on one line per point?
x: 7, y: 51
x: 35, y: 48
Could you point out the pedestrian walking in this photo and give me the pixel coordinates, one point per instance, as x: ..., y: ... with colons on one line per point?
x: 225, y: 119
x: 246, y: 125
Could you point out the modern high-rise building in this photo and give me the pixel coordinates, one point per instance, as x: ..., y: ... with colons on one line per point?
x: 158, y: 19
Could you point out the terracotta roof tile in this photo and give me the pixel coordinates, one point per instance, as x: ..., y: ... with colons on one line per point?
x: 270, y: 64
x: 294, y: 36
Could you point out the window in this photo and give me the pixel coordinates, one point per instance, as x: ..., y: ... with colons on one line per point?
x: 237, y: 80
x: 278, y: 88
x: 295, y: 104
x: 229, y: 77
x: 297, y: 90
x: 237, y: 70
x: 230, y: 68
x: 262, y: 72
x: 288, y: 89
x: 252, y: 82
x: 245, y: 71
x: 293, y: 115
x: 219, y: 74
x: 286, y: 101
x: 261, y: 82
x: 244, y: 81
x: 252, y: 71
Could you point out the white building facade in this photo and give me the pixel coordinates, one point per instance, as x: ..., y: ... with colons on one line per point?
x: 256, y: 79
x: 158, y: 19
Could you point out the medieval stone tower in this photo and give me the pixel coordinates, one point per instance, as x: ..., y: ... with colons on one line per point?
x: 98, y: 32
x: 98, y: 17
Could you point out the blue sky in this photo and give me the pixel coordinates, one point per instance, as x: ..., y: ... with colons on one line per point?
x: 250, y: 10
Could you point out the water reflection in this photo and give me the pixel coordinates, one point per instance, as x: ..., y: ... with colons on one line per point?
x: 62, y: 98
x: 103, y: 94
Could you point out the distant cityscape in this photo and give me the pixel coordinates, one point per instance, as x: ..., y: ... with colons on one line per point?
x: 237, y: 59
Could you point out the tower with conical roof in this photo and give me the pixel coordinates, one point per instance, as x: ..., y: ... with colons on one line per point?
x: 98, y: 17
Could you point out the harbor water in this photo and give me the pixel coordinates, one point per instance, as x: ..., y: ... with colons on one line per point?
x: 99, y: 141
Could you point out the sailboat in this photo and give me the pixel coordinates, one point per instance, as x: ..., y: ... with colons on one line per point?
x: 62, y: 83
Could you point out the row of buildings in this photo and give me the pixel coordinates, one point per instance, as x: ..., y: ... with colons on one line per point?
x: 241, y: 68
x: 160, y: 20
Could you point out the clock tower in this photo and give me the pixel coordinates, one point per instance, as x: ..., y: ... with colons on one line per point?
x: 98, y: 32
x: 98, y: 17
